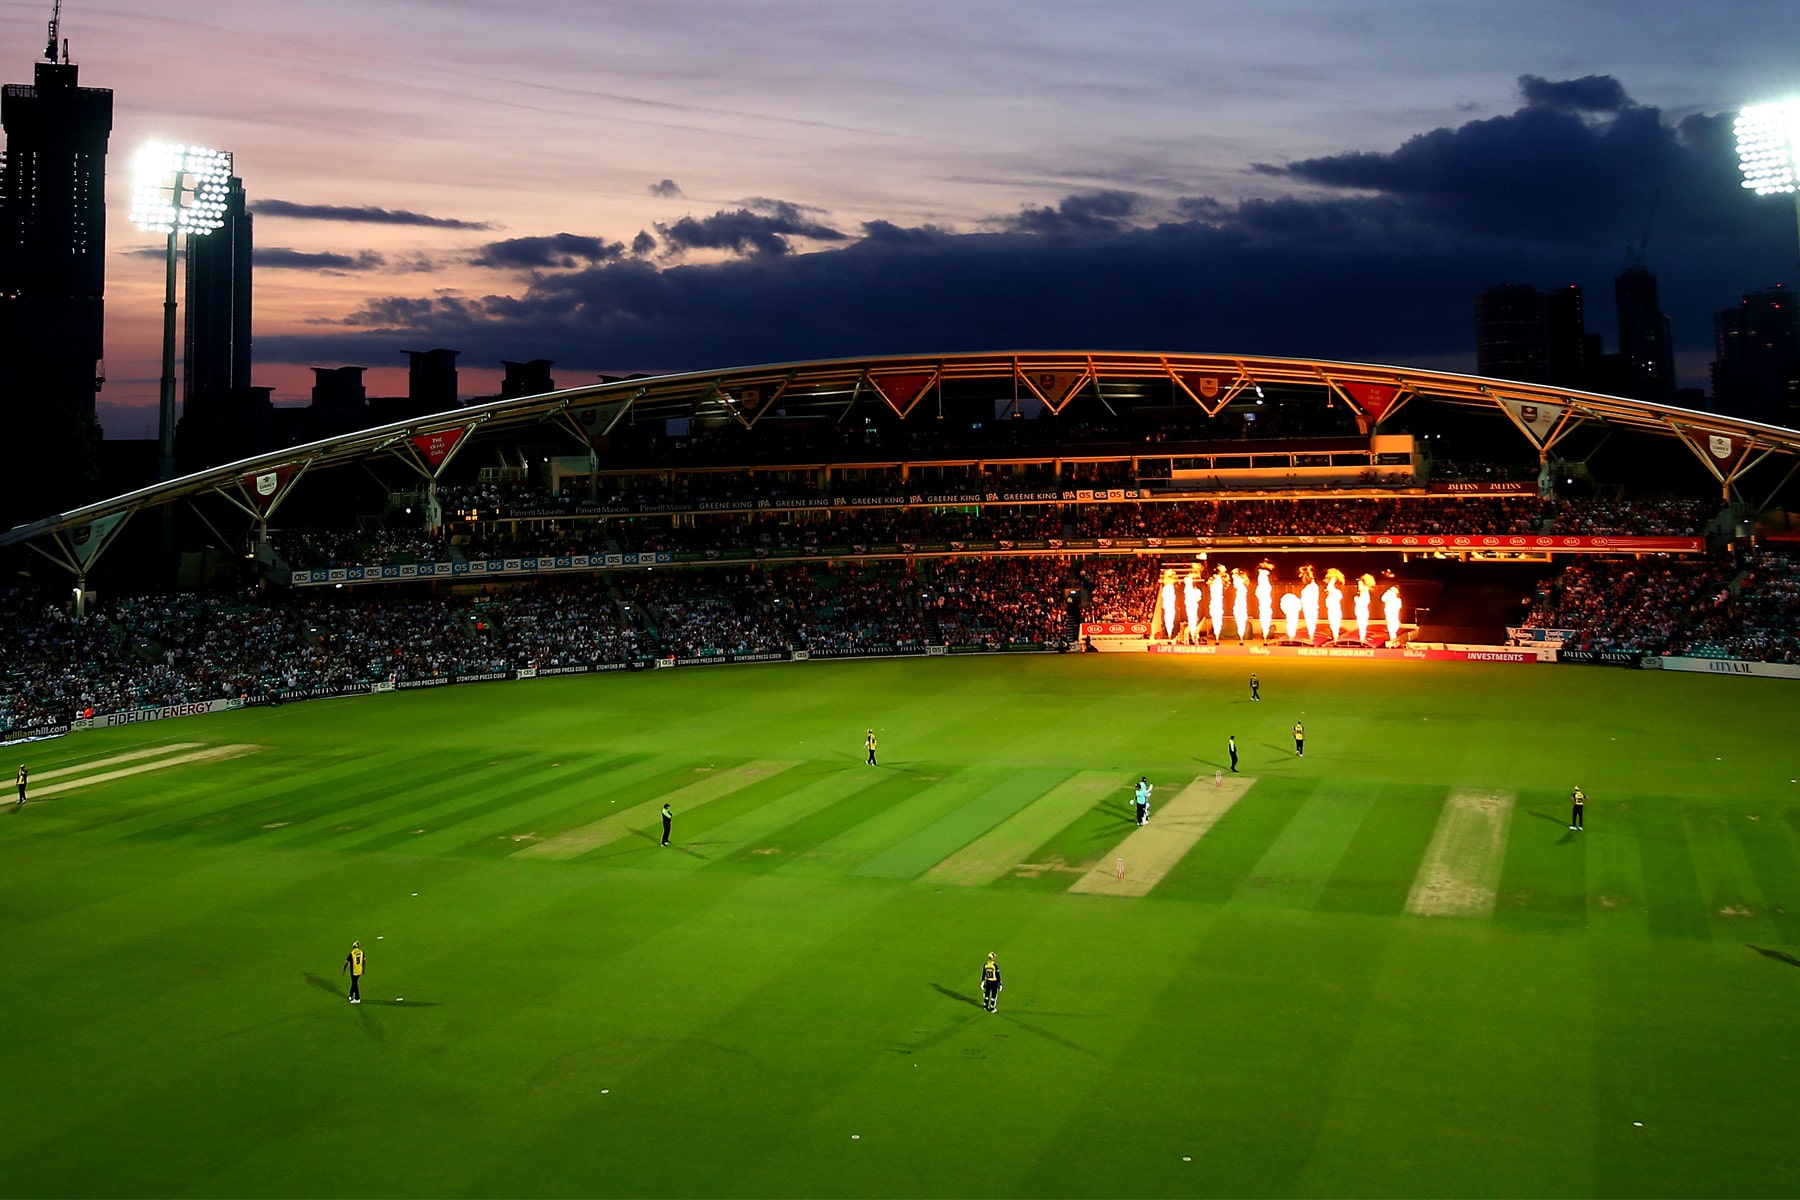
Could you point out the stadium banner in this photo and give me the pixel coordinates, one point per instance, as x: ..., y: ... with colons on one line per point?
x: 1521, y: 634
x: 1537, y: 418
x: 1505, y: 654
x: 1489, y: 487
x: 1553, y: 543
x: 1601, y: 658
x: 1727, y: 666
x: 864, y: 652
x: 1115, y: 628
x: 937, y: 651
x: 407, y: 685
x: 434, y: 448
x: 162, y: 713
x: 264, y: 489
x: 38, y: 733
x: 491, y: 566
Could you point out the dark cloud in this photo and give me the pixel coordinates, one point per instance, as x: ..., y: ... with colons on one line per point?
x: 762, y: 227
x: 365, y: 214
x: 644, y: 243
x: 1376, y: 256
x: 281, y: 258
x: 1590, y: 93
x: 668, y: 189
x: 557, y: 251
x: 1094, y: 212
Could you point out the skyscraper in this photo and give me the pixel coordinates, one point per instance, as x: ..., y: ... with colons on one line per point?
x: 1756, y: 369
x: 1530, y: 336
x: 52, y: 285
x: 1646, y: 344
x: 222, y: 417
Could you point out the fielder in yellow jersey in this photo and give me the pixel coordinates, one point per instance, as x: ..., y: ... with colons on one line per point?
x: 990, y: 984
x: 353, y: 963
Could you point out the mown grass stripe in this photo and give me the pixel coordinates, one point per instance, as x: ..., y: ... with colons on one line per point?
x: 638, y: 817
x: 1008, y: 844
x: 800, y: 838
x: 1543, y: 883
x: 187, y: 758
x: 94, y: 765
x: 1671, y: 883
x: 1298, y: 864
x: 494, y: 791
x: 895, y: 823
x: 958, y: 828
x: 1374, y: 874
x: 1736, y: 909
x: 767, y: 808
x: 404, y: 801
x: 287, y: 795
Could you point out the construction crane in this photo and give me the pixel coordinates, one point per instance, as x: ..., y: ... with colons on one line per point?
x: 1634, y: 253
x: 55, y: 27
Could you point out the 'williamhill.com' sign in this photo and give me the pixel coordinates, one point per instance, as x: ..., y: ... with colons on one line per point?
x: 487, y: 568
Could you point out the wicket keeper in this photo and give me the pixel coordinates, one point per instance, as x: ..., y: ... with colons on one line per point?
x: 990, y: 984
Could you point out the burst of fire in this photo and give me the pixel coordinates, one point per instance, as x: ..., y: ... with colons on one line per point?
x: 1365, y: 587
x: 1180, y: 615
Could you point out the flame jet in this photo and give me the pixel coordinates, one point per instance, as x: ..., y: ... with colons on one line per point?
x: 1168, y: 604
x: 1215, y: 602
x: 1290, y: 615
x: 1365, y: 588
x: 1190, y: 598
x: 1390, y: 604
x: 1265, y: 593
x: 1240, y: 601
x: 1309, y: 600
x: 1334, y: 601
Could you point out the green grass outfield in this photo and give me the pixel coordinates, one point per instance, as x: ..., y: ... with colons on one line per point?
x: 784, y: 1002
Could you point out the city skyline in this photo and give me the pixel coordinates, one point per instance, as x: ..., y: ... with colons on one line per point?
x: 626, y: 187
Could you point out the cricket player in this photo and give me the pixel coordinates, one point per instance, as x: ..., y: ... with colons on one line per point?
x: 24, y: 778
x: 1231, y: 749
x: 990, y: 984
x: 1255, y: 686
x: 1299, y: 740
x: 668, y: 817
x: 869, y: 744
x: 1577, y: 799
x: 1141, y: 799
x: 353, y: 963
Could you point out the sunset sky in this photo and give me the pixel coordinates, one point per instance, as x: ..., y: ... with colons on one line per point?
x: 646, y: 186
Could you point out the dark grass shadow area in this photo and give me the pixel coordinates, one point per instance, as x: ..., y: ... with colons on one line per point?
x: 959, y: 997
x: 1779, y: 956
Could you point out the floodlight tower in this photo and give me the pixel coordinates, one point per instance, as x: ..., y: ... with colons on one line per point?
x: 178, y: 190
x: 1768, y: 139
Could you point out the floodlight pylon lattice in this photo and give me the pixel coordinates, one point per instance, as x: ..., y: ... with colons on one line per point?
x: 177, y: 191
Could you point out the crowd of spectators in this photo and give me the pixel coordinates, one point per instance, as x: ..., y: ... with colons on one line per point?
x: 1632, y: 605
x: 1757, y: 617
x: 809, y: 532
x: 184, y: 648
x: 1680, y: 516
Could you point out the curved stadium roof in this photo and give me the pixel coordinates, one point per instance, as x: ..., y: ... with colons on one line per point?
x: 1373, y: 393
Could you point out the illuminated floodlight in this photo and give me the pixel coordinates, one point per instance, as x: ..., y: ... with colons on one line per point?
x: 180, y: 189
x: 1768, y: 141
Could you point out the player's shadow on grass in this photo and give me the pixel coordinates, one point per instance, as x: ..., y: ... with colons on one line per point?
x: 1777, y: 955
x: 957, y: 996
